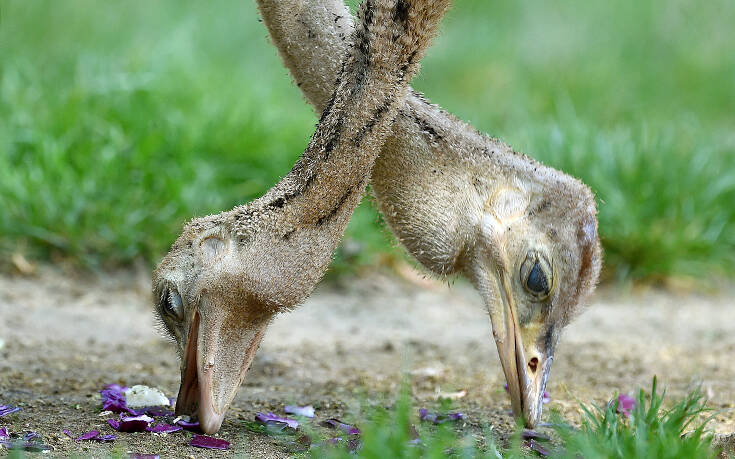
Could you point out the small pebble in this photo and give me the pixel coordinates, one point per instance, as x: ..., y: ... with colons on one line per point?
x: 140, y: 396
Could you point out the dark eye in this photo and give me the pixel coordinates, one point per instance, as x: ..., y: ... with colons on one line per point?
x: 537, y: 281
x: 535, y: 275
x: 172, y: 305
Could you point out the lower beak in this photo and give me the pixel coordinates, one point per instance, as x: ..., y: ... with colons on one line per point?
x: 526, y: 367
x: 216, y: 360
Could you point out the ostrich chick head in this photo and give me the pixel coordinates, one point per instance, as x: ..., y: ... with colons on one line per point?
x: 215, y: 294
x: 536, y: 257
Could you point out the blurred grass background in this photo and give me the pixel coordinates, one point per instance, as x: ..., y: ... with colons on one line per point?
x: 121, y: 120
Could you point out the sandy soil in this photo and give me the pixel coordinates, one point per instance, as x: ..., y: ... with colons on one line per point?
x: 63, y: 338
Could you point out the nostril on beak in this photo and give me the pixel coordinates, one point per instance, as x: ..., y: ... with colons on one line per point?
x: 533, y: 364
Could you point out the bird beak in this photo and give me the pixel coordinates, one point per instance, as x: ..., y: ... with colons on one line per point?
x: 525, y: 366
x: 219, y: 351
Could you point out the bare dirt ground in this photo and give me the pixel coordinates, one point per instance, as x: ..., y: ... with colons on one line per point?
x: 64, y: 337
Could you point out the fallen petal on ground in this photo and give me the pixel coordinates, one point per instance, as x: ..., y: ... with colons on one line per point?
x: 91, y: 435
x: 203, y: 441
x: 163, y: 428
x: 113, y: 398
x: 191, y: 426
x: 265, y: 418
x: 131, y: 423
x: 7, y: 409
x: 335, y: 423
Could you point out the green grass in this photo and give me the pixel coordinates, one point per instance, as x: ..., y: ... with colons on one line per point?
x: 118, y: 122
x: 651, y: 432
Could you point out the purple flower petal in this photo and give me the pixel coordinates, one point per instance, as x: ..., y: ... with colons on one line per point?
x: 163, y: 428
x: 114, y: 405
x: 191, y: 426
x: 265, y: 418
x: 31, y: 441
x: 307, y: 411
x: 155, y: 411
x: 131, y: 423
x: 535, y: 446
x: 203, y: 441
x: 436, y: 418
x: 116, y: 387
x: 113, y: 398
x: 424, y: 415
x: 625, y: 405
x: 335, y: 423
x: 30, y: 435
x: 91, y: 435
x: 7, y: 409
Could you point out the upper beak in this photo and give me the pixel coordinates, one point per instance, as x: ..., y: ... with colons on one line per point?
x: 526, y: 367
x: 218, y: 353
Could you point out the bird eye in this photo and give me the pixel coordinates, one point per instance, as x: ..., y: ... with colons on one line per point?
x: 173, y: 306
x: 535, y: 276
x: 537, y: 282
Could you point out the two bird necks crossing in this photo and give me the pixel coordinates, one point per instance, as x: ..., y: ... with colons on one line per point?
x: 386, y: 46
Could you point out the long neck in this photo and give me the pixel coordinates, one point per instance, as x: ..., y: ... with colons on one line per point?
x: 421, y: 207
x: 385, y: 50
x: 352, y: 127
x: 310, y: 37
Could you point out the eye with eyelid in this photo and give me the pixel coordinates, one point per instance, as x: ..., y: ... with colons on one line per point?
x: 172, y: 304
x: 536, y: 276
